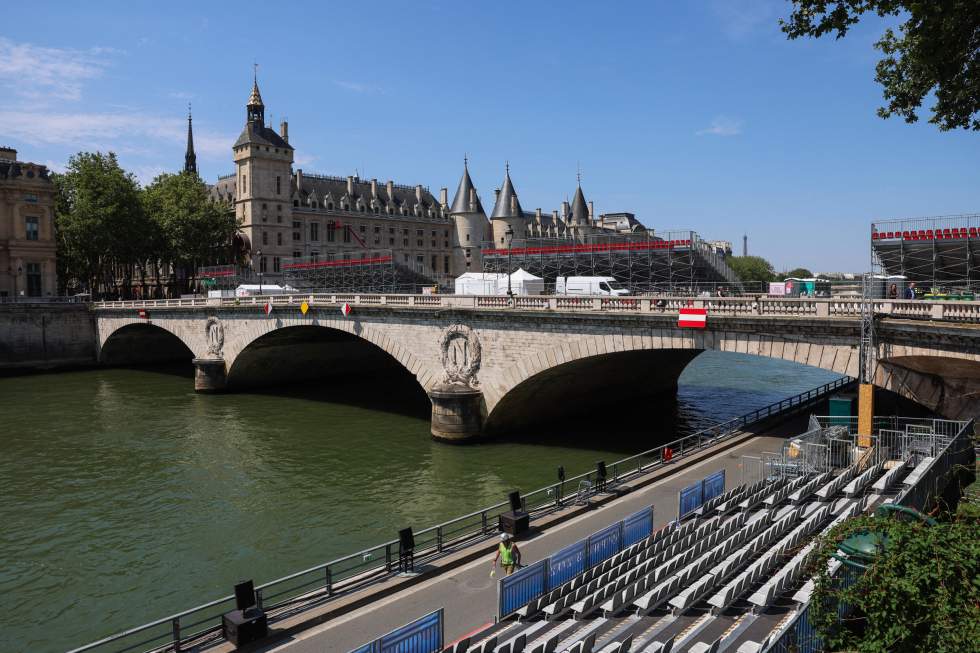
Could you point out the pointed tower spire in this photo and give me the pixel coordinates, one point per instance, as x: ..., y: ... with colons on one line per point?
x: 507, y: 205
x: 466, y: 199
x: 254, y: 109
x: 190, y: 159
x: 580, y: 208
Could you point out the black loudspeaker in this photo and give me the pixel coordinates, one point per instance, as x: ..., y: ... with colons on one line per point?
x: 515, y: 501
x: 244, y: 595
x: 406, y: 541
x: 561, y: 474
x: 600, y: 469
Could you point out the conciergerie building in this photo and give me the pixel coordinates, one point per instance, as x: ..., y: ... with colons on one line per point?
x: 288, y: 216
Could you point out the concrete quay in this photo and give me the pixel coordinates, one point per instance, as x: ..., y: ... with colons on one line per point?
x: 460, y: 582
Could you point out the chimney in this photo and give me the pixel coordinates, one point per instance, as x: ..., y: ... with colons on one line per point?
x: 591, y: 215
x: 537, y: 216
x: 374, y: 189
x: 554, y: 216
x: 350, y: 186
x: 284, y: 130
x: 444, y: 197
x: 565, y: 210
x: 8, y: 154
x: 390, y: 187
x: 299, y: 178
x: 418, y: 193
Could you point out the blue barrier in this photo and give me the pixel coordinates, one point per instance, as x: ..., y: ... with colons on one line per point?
x: 424, y: 635
x: 536, y: 580
x: 605, y: 544
x: 714, y: 486
x: 694, y: 496
x: 689, y: 499
x: 522, y: 586
x: 637, y: 526
x: 567, y: 564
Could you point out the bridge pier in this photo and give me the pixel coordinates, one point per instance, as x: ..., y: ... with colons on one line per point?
x: 457, y: 413
x: 209, y: 375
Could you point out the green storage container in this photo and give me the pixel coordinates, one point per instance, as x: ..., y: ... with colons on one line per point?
x: 841, y: 409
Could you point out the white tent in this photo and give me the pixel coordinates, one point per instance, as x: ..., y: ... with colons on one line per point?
x: 523, y: 282
x: 481, y: 283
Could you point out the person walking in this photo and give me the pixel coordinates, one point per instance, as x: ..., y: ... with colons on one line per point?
x: 893, y: 291
x: 910, y: 291
x: 508, y: 554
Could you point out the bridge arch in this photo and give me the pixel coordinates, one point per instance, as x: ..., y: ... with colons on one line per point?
x: 280, y: 350
x: 141, y: 343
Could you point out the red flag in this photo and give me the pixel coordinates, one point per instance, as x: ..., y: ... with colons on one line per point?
x: 692, y: 318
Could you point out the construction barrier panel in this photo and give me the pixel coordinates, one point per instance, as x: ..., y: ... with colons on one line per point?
x: 424, y: 635
x: 693, y: 496
x: 536, y: 580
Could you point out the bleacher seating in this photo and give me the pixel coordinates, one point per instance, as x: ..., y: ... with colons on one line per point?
x: 704, y: 583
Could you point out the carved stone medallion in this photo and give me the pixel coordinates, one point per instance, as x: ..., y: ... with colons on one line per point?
x: 215, y: 335
x: 461, y: 355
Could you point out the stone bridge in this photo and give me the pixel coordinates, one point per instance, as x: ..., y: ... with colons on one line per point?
x: 488, y: 367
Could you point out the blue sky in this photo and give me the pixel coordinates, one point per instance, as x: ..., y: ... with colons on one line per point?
x: 690, y: 114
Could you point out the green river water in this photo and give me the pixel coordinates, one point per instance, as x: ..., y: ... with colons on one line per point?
x: 127, y: 497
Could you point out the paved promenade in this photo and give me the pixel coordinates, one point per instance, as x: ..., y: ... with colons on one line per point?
x: 467, y: 592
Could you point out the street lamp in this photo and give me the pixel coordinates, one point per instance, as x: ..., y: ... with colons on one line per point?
x: 510, y: 242
x: 258, y: 255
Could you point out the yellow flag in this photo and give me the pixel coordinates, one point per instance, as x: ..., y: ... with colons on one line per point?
x: 304, y: 307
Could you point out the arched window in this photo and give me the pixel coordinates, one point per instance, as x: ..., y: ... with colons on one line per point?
x: 330, y: 206
x: 361, y: 208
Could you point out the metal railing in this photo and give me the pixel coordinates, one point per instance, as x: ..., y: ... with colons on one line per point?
x: 836, y: 307
x: 797, y: 633
x: 314, y: 586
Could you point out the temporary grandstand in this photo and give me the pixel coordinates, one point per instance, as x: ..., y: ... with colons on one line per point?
x: 223, y: 277
x: 941, y: 252
x: 672, y: 262
x: 378, y: 273
x: 730, y: 574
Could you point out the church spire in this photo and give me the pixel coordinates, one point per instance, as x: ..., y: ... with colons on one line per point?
x: 190, y: 159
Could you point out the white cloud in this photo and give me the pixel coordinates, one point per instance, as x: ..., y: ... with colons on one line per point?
x: 303, y: 159
x: 722, y: 126
x: 359, y: 87
x: 742, y: 19
x: 132, y: 133
x: 40, y: 73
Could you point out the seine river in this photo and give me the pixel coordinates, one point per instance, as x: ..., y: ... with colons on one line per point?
x: 126, y: 497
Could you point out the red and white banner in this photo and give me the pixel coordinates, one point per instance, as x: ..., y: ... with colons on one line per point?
x: 345, y: 309
x: 267, y: 308
x: 692, y: 318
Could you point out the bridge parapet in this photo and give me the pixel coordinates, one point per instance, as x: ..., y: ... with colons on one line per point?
x: 834, y: 307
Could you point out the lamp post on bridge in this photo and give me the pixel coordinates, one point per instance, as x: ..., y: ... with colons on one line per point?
x: 510, y: 242
x: 258, y: 254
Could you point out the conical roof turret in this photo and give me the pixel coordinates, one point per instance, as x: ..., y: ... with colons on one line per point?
x: 507, y: 205
x: 580, y: 208
x: 466, y: 200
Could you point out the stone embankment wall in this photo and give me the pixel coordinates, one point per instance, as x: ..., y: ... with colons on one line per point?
x: 46, y: 336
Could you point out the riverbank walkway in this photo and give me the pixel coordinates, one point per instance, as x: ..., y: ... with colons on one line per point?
x: 461, y: 582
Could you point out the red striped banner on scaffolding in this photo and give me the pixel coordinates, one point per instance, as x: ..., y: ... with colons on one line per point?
x: 692, y: 318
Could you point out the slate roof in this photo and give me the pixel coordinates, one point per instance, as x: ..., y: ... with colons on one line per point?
x: 580, y: 209
x: 461, y: 203
x: 336, y: 187
x: 257, y: 134
x: 502, y: 209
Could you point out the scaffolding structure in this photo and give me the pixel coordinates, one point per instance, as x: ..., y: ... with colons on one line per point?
x: 374, y: 274
x: 223, y: 277
x: 940, y: 253
x: 672, y: 262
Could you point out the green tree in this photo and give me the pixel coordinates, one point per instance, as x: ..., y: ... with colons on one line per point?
x: 922, y: 593
x: 192, y: 230
x: 751, y: 268
x: 936, y: 50
x: 800, y: 273
x: 100, y: 222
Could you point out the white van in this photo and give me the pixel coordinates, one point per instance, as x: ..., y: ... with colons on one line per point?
x: 590, y: 286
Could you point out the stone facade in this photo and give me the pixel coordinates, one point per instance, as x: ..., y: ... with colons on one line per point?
x: 555, y: 351
x: 28, y: 266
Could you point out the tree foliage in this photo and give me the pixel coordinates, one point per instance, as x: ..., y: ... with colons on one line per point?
x: 100, y: 221
x: 936, y: 50
x: 922, y: 593
x: 191, y: 229
x: 751, y: 268
x: 800, y: 273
